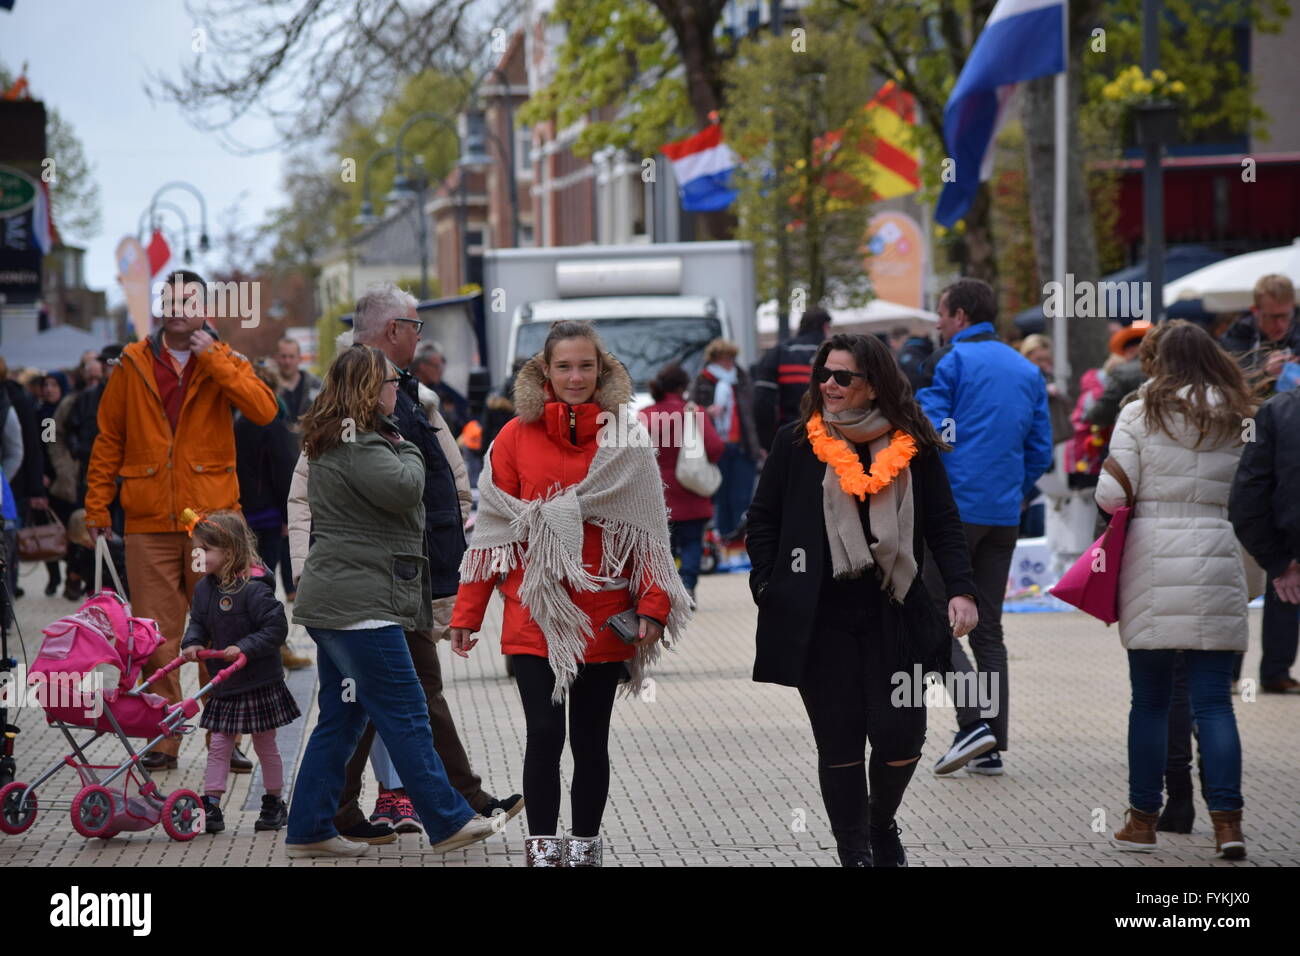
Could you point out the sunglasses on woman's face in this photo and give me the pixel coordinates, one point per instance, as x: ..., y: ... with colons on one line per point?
x: 843, y: 377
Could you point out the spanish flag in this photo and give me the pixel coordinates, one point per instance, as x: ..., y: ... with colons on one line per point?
x: 886, y: 164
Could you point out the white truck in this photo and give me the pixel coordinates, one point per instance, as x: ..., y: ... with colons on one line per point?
x: 652, y: 304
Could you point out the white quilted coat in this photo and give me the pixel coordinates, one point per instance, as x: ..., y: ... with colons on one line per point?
x: 1182, y: 584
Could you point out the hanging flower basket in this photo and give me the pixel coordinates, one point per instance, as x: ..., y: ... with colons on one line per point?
x: 1155, y: 123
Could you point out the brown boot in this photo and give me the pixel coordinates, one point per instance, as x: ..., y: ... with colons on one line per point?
x: 1139, y: 833
x: 1228, y: 841
x: 292, y: 661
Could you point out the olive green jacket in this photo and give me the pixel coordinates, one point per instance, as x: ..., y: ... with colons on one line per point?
x: 367, y: 556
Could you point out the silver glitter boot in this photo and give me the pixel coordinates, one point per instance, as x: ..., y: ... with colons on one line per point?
x: 544, y: 851
x: 582, y: 851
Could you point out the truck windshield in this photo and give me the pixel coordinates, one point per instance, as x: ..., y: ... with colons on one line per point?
x: 643, y: 345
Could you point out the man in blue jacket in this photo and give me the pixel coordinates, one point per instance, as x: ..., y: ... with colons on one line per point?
x: 990, y: 404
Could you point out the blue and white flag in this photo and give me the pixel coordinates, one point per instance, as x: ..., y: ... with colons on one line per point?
x: 1022, y: 39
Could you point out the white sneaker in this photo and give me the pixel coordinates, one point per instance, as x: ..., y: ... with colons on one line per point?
x: 334, y: 846
x: 478, y: 828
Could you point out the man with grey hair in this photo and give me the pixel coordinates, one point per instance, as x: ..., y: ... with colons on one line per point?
x: 386, y: 319
x: 428, y: 367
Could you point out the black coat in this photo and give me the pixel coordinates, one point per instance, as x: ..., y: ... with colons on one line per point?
x: 444, y: 531
x: 1264, y: 506
x: 786, y: 514
x: 780, y: 381
x: 30, y: 480
x: 265, y: 456
x: 252, y: 617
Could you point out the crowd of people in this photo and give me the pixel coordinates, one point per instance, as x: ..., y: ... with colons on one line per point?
x: 879, y: 485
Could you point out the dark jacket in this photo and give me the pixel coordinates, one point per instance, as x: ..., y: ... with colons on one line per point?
x: 252, y: 618
x: 444, y: 532
x: 743, y: 393
x: 1264, y: 506
x: 1248, y: 347
x: 912, y: 358
x: 780, y: 381
x: 30, y: 480
x: 787, y: 531
x: 83, y: 425
x: 1122, y: 381
x: 264, y: 459
x: 298, y: 400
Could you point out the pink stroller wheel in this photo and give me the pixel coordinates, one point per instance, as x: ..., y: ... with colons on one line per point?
x: 12, y: 821
x: 182, y: 815
x: 92, y: 811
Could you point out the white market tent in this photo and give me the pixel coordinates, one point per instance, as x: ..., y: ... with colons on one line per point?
x: 878, y: 315
x: 58, y: 348
x: 1227, y: 286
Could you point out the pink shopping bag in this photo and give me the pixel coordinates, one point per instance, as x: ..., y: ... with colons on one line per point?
x: 1092, y: 583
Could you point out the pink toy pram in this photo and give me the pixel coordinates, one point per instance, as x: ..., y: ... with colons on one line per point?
x: 84, y: 677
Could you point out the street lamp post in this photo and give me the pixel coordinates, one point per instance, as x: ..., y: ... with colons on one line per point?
x: 188, y: 256
x: 203, y: 208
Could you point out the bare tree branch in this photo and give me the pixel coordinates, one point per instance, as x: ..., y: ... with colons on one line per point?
x: 304, y: 63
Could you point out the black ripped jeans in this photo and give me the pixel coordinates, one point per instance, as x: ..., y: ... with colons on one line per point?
x: 590, y: 704
x: 850, y: 695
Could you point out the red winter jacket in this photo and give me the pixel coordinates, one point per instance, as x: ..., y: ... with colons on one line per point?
x: 533, y: 454
x: 664, y: 421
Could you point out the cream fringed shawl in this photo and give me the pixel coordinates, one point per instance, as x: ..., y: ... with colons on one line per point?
x: 623, y: 495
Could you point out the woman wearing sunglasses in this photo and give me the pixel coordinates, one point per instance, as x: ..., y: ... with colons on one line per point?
x: 851, y: 493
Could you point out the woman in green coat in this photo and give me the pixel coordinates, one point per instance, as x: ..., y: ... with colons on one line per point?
x: 366, y: 580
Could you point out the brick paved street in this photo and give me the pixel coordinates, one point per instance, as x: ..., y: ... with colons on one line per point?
x: 718, y: 771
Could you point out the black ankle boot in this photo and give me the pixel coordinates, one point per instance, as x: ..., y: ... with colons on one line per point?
x: 274, y: 813
x: 1178, y: 814
x: 853, y: 848
x: 886, y: 847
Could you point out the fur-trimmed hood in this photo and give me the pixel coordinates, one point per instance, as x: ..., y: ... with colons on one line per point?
x: 613, y: 388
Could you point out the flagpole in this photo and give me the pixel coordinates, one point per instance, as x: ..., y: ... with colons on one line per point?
x: 1060, y: 344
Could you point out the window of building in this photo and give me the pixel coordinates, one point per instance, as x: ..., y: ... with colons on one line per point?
x: 524, y: 151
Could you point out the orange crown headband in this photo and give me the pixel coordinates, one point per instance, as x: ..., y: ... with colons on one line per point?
x: 191, y: 519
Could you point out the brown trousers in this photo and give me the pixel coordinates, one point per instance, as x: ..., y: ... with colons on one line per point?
x: 424, y: 654
x: 161, y: 571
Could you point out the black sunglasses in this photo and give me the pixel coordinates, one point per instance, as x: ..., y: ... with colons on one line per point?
x: 843, y: 377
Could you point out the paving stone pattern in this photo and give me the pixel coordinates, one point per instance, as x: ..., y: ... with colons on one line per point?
x: 711, y: 769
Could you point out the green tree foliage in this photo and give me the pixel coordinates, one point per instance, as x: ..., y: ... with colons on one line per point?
x: 74, y: 193
x: 619, y: 62
x: 1198, y: 46
x: 783, y: 94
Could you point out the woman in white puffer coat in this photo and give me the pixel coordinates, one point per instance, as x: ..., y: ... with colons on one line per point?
x: 1182, y: 585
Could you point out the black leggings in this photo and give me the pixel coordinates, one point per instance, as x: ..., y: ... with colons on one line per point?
x: 591, y: 703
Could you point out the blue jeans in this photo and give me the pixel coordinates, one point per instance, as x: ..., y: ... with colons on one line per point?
x: 383, y: 688
x: 731, y: 500
x: 1209, y: 679
x: 687, y: 541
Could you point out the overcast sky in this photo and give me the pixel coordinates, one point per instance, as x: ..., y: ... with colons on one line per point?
x: 89, y: 59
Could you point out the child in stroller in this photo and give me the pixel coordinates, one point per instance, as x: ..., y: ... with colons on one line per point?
x: 235, y: 611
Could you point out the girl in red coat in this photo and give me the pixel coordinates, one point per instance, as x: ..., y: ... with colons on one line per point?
x: 571, y: 513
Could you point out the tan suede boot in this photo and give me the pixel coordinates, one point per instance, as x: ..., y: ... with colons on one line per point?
x: 1139, y: 832
x: 292, y: 661
x: 1228, y: 841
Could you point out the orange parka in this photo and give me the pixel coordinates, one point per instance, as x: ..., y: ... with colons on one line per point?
x: 162, y: 472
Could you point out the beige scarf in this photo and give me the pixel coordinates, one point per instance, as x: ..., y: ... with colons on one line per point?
x: 623, y: 495
x: 891, y: 514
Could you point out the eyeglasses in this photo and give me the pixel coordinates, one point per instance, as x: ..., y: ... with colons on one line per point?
x: 843, y: 377
x: 392, y: 381
x: 418, y: 323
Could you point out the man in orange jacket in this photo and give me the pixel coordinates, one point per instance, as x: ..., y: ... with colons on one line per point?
x: 166, y: 432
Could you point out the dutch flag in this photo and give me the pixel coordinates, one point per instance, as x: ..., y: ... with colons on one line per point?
x: 1022, y: 39
x: 703, y: 164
